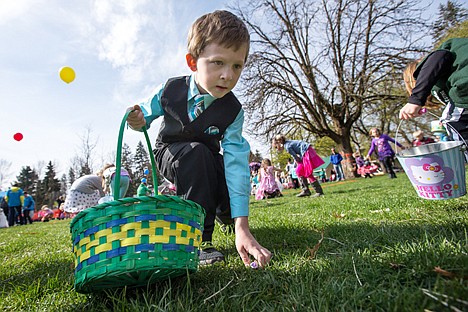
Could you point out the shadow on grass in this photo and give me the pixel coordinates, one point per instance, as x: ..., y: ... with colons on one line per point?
x: 357, y: 233
x: 358, y: 265
x: 457, y: 207
x: 175, y: 294
x: 119, y: 299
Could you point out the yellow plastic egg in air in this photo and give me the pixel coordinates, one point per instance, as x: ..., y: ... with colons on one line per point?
x: 67, y: 74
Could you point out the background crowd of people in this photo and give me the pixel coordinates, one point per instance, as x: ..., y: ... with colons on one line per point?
x: 18, y: 207
x: 267, y: 181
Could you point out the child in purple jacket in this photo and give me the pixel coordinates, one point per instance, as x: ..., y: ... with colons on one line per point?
x: 384, y: 150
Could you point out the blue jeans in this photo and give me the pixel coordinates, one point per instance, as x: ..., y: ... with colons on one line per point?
x: 339, y: 171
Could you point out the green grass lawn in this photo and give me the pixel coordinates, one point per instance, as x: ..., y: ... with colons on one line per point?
x: 383, y: 249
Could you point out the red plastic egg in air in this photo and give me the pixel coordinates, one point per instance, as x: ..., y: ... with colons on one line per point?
x: 18, y: 136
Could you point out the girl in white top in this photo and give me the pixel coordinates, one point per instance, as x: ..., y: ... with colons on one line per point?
x: 85, y: 192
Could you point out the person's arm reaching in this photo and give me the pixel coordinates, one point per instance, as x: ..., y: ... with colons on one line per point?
x: 236, y: 153
x: 436, y: 66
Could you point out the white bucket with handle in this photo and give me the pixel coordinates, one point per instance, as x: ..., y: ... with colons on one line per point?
x: 437, y: 170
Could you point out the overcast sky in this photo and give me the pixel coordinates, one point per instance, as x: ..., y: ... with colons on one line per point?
x: 120, y: 51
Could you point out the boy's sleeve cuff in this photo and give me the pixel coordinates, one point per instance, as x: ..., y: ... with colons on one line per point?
x: 239, y: 206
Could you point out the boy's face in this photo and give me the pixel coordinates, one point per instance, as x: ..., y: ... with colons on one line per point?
x: 218, y: 69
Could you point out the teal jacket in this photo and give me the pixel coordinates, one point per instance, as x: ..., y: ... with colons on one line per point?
x: 14, y: 197
x: 29, y: 203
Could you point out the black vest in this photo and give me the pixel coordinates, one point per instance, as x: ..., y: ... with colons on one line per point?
x: 176, y: 125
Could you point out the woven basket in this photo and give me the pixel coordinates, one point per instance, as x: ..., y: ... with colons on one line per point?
x: 135, y: 241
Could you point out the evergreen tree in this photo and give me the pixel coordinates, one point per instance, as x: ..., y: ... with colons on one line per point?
x: 141, y: 161
x: 257, y: 157
x: 50, y: 185
x: 71, y: 176
x: 63, y: 184
x: 85, y: 169
x: 39, y: 195
x: 27, y: 179
x: 449, y: 17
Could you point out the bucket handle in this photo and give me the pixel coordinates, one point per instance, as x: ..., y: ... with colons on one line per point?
x: 452, y: 128
x: 118, y: 163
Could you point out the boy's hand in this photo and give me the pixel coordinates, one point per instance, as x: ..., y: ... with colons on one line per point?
x: 247, y: 245
x: 410, y: 111
x: 136, y: 119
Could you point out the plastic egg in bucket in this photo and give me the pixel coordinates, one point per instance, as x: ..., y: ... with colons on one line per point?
x: 437, y: 170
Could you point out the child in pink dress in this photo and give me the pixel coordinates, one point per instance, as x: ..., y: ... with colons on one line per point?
x: 307, y: 160
x: 268, y: 187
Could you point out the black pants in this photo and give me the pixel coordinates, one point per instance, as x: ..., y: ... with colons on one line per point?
x: 295, y: 182
x: 198, y: 174
x: 27, y: 217
x: 13, y: 213
x: 388, y: 163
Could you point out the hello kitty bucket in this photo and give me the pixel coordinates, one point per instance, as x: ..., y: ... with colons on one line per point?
x: 437, y: 170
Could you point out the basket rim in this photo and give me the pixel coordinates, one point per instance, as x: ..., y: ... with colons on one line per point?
x: 133, y: 200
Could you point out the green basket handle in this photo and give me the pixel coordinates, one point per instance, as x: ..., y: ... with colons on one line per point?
x: 119, y: 158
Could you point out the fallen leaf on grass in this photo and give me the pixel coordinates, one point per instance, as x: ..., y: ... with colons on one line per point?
x: 448, y: 274
x: 314, y: 250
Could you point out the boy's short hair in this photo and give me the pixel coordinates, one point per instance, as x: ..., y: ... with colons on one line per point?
x: 221, y: 27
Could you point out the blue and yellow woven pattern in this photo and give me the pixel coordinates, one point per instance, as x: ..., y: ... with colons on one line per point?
x: 135, y: 241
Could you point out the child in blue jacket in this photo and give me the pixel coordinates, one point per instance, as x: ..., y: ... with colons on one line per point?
x: 28, y: 208
x: 15, y: 198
